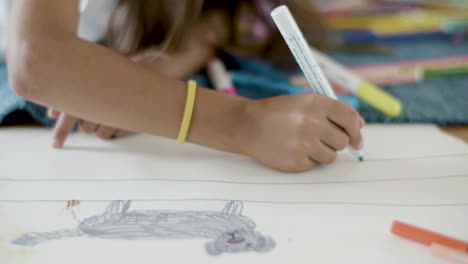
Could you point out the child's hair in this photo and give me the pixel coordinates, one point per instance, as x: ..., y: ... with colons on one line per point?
x: 140, y: 24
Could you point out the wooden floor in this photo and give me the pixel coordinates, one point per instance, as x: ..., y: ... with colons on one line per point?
x: 458, y: 131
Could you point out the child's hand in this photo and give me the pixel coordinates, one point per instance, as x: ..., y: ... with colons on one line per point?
x: 65, y: 124
x: 295, y: 133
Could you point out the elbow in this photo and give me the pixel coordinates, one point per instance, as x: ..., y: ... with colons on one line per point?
x: 18, y: 85
x: 24, y: 70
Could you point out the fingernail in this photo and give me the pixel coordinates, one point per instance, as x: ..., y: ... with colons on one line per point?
x: 361, y: 146
x: 57, y: 144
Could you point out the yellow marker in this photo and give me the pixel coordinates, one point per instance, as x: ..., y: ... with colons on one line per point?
x: 391, y: 24
x: 365, y: 91
x: 379, y: 99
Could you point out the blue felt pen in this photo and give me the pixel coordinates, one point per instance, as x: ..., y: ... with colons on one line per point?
x: 303, y: 55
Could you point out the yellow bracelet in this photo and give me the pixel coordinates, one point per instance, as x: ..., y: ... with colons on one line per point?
x: 189, y: 104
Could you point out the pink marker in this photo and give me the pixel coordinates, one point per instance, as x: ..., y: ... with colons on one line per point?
x: 220, y: 77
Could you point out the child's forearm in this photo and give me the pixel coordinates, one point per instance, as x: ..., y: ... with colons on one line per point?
x: 94, y: 83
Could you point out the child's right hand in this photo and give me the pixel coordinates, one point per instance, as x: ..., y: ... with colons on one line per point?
x: 295, y: 133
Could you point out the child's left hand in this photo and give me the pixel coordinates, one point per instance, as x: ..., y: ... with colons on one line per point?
x: 65, y: 124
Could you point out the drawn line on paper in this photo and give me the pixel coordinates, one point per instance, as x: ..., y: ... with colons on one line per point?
x: 233, y: 182
x: 417, y: 158
x: 252, y: 201
x: 229, y: 230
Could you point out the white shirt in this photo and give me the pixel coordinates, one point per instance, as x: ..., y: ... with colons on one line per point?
x: 94, y: 19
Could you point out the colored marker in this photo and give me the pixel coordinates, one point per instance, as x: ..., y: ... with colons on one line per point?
x: 303, y: 55
x: 365, y: 91
x: 220, y: 77
x: 394, y: 73
x: 427, y: 237
x: 424, y: 74
x: 365, y: 36
x: 450, y: 254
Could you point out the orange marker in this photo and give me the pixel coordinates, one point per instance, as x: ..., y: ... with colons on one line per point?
x: 427, y: 237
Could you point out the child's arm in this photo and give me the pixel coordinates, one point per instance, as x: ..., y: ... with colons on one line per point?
x: 49, y: 65
x: 197, y: 49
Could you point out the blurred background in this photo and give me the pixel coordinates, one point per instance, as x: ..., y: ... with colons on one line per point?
x: 415, y: 50
x: 396, y: 19
x: 3, y: 28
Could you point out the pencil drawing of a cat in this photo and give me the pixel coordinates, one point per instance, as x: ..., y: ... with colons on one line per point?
x: 229, y: 230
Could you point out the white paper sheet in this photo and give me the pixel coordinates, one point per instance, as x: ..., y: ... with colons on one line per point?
x: 335, y: 214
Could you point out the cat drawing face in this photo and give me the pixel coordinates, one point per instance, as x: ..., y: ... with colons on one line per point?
x: 240, y: 240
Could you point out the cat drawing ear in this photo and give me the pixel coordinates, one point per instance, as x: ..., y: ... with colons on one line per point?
x: 118, y: 207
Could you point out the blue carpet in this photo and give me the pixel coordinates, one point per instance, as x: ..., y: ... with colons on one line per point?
x: 440, y: 101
